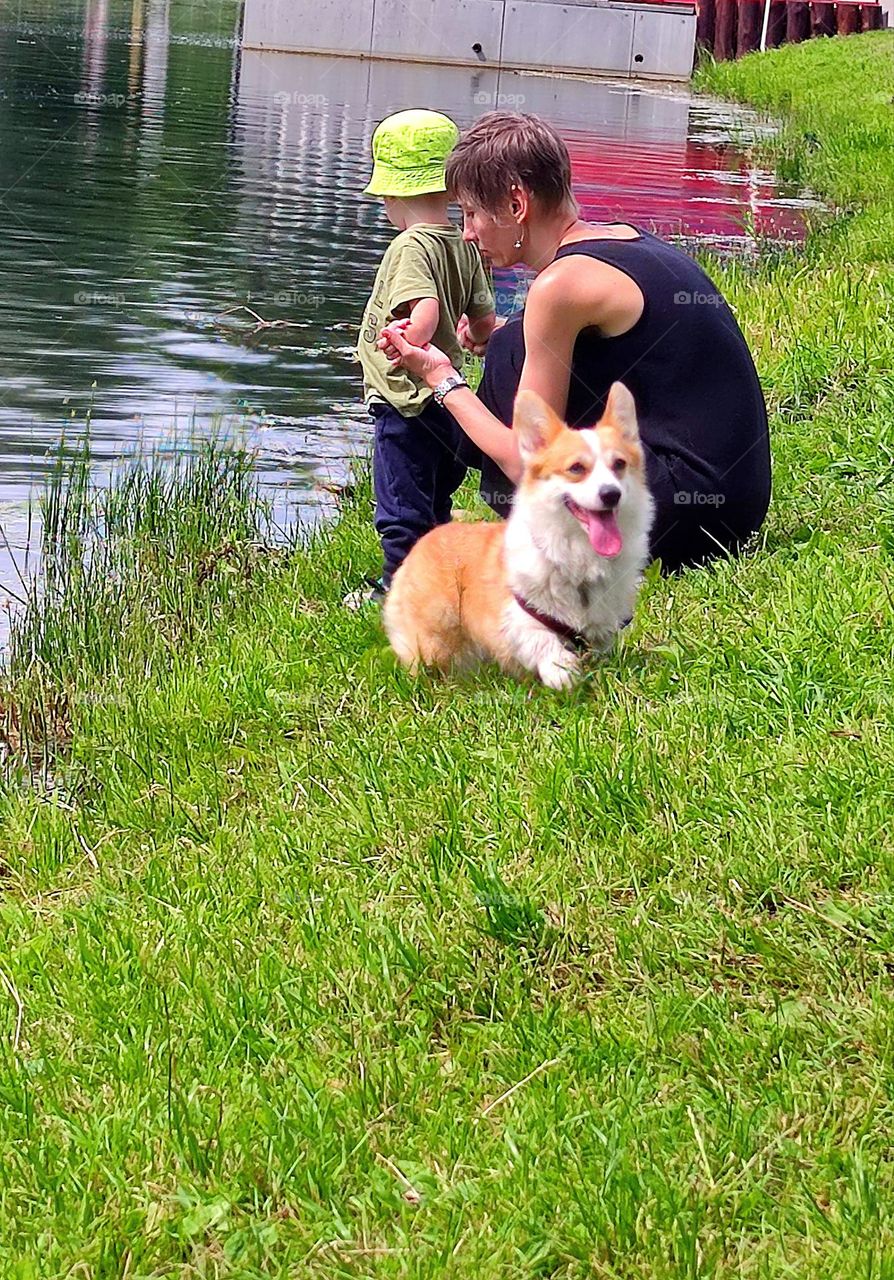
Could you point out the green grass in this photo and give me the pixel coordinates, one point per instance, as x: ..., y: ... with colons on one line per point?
x: 128, y: 572
x: 836, y: 98
x: 309, y: 968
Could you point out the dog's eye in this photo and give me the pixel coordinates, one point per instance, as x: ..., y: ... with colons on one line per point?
x: 619, y: 466
x: 577, y: 469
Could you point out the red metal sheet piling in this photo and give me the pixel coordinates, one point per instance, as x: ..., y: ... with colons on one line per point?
x: 731, y: 28
x: 776, y: 25
x: 797, y: 21
x: 725, y: 30
x: 823, y: 20
x: 848, y: 19
x: 751, y: 13
x: 704, y: 25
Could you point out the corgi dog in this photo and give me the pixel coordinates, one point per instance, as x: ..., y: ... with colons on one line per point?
x: 560, y: 576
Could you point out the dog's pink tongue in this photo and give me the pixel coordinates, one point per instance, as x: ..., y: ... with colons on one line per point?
x: 603, y: 532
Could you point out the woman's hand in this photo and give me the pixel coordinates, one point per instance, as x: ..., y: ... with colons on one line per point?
x: 428, y: 363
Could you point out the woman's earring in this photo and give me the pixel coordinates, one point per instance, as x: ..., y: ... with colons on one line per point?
x: 518, y: 243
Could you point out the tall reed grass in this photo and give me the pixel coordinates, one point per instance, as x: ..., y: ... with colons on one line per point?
x: 125, y: 572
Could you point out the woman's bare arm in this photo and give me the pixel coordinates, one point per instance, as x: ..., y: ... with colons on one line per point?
x: 483, y: 428
x: 551, y: 326
x: 480, y: 425
x: 562, y: 301
x: 553, y: 319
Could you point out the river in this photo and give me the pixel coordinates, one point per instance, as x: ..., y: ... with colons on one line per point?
x: 185, y: 248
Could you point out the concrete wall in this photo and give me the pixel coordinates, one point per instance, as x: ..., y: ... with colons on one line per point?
x: 591, y: 36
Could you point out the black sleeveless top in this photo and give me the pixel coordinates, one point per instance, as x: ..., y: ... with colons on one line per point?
x: 701, y: 412
x: 697, y: 392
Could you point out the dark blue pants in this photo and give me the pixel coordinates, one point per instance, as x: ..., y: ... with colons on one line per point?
x: 418, y: 465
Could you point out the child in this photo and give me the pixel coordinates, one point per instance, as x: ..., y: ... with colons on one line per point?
x: 431, y: 278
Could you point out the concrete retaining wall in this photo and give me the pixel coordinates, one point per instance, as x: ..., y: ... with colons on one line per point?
x: 588, y: 36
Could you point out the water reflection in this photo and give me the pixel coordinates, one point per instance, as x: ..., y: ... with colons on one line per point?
x: 153, y: 181
x: 155, y: 36
x: 96, y: 34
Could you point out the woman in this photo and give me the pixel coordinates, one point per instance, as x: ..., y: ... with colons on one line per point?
x: 609, y: 302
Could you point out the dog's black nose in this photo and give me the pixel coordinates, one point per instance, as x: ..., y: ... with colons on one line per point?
x: 609, y: 495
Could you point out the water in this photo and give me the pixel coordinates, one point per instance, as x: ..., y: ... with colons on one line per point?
x: 154, y: 180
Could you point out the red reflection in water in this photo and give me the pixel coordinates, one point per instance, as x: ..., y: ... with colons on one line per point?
x: 686, y: 188
x: 681, y: 188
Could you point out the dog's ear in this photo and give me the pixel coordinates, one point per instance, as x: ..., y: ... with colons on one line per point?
x: 620, y: 411
x: 534, y: 422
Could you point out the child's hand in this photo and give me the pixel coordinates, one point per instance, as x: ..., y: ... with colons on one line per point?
x: 466, y: 340
x: 428, y: 363
x: 386, y: 342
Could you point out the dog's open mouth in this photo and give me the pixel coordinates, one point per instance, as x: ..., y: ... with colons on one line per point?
x: 601, y: 527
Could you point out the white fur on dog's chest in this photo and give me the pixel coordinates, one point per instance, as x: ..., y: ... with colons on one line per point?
x: 565, y: 579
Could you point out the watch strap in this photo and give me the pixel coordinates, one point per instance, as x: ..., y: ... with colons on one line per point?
x: 450, y: 383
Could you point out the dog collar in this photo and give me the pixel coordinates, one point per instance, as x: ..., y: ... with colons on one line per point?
x: 559, y: 628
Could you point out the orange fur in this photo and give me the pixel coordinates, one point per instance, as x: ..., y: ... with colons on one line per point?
x: 446, y: 608
x: 452, y: 602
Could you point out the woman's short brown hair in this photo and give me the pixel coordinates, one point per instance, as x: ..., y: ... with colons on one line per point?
x: 505, y: 148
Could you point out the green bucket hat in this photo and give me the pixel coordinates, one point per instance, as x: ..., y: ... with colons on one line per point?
x: 409, y: 150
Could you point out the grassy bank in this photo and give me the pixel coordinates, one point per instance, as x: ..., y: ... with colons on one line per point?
x: 311, y: 969
x: 835, y: 99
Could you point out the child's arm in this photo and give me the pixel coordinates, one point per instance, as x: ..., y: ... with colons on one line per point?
x: 479, y: 322
x: 425, y: 314
x: 475, y: 334
x: 482, y: 327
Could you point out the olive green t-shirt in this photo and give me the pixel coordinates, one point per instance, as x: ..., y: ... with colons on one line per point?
x: 426, y: 261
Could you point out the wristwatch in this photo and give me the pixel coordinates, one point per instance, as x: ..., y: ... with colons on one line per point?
x: 450, y: 383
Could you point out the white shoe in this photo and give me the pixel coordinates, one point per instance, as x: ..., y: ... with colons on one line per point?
x: 373, y: 593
